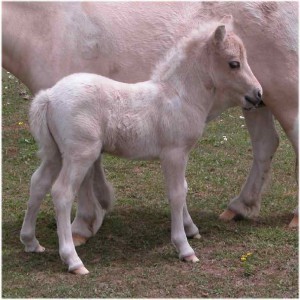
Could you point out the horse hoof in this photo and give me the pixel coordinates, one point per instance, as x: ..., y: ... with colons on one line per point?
x: 40, y: 249
x: 197, y: 236
x: 79, y: 240
x: 80, y: 271
x: 227, y: 215
x: 191, y: 258
x: 294, y: 222
x: 37, y: 249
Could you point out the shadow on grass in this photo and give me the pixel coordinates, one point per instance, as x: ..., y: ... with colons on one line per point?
x: 128, y: 235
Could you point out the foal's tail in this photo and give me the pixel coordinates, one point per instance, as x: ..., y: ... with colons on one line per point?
x: 39, y: 126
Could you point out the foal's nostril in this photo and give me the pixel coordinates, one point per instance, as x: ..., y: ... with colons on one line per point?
x: 256, y: 100
x: 258, y: 95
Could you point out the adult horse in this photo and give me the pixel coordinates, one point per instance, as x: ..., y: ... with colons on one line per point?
x: 43, y: 42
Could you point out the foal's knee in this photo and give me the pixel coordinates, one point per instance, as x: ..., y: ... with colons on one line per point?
x: 62, y: 196
x: 177, y: 197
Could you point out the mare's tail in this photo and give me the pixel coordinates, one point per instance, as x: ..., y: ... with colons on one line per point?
x: 39, y: 126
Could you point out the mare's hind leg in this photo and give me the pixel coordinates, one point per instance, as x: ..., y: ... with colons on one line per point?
x: 265, y: 141
x: 41, y: 182
x: 293, y: 137
x: 95, y: 197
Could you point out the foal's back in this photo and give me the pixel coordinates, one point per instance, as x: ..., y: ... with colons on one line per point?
x: 88, y: 107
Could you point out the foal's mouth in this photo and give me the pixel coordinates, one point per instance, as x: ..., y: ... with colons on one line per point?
x: 254, y: 104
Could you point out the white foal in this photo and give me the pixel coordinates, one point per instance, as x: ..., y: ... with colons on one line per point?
x: 84, y: 115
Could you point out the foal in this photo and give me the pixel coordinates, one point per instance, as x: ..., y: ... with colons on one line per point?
x: 84, y: 115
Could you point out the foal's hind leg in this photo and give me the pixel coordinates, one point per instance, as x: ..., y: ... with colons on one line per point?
x: 103, y: 188
x: 95, y: 197
x: 64, y: 190
x: 191, y: 230
x: 41, y: 182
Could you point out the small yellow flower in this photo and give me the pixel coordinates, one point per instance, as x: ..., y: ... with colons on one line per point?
x: 21, y: 123
x: 245, y: 256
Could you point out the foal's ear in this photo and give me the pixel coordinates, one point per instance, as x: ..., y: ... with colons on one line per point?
x: 220, y: 33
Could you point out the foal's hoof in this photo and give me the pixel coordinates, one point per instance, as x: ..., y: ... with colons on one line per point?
x: 197, y: 236
x: 191, y: 258
x: 227, y: 215
x: 80, y: 271
x: 78, y: 240
x: 40, y: 249
x: 37, y: 249
x: 294, y: 222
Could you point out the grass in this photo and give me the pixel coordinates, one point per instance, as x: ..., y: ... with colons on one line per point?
x: 131, y: 255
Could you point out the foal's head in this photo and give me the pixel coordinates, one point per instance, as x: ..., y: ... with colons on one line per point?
x: 230, y: 73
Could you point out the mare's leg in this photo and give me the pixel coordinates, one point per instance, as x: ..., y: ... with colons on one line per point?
x: 265, y: 141
x: 74, y: 169
x: 41, y: 182
x: 95, y: 197
x: 293, y: 137
x: 173, y: 164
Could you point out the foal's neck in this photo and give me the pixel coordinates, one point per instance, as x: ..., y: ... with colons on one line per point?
x: 184, y: 72
x: 189, y: 83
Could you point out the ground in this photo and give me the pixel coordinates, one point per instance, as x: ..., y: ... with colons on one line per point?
x: 131, y: 255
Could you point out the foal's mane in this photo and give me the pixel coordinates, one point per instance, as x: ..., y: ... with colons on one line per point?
x: 177, y: 55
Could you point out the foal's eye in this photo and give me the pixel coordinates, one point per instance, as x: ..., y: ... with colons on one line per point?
x: 234, y: 65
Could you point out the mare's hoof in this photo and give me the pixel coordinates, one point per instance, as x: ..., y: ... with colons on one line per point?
x: 80, y: 271
x: 294, y: 222
x: 78, y: 240
x: 227, y: 215
x: 191, y: 258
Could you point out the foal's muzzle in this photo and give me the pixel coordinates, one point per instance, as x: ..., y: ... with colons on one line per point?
x: 255, y: 100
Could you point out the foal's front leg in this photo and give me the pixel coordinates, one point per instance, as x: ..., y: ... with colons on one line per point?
x: 173, y: 164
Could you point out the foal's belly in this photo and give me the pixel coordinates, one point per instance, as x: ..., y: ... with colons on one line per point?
x: 132, y: 150
x: 134, y: 141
